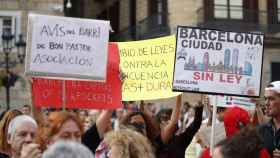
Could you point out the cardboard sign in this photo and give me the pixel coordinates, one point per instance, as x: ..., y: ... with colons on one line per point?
x: 148, y: 67
x: 218, y: 62
x: 82, y: 94
x: 63, y: 47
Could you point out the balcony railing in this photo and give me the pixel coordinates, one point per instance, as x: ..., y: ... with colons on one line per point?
x: 151, y: 27
x: 250, y: 21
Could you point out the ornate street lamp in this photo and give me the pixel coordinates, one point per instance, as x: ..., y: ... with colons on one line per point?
x: 68, y: 4
x: 8, y: 45
x: 68, y: 7
x: 21, y: 44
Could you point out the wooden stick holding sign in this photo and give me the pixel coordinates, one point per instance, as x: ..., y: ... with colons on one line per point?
x: 214, y: 117
x: 63, y: 95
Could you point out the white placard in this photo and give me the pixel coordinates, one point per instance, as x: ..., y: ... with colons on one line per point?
x: 231, y: 101
x: 64, y: 47
x: 218, y: 62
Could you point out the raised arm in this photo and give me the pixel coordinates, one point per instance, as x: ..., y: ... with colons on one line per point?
x: 93, y: 136
x: 152, y: 126
x: 169, y: 129
x: 103, y: 122
x: 182, y: 141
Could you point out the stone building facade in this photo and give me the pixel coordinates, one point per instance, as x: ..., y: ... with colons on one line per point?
x: 144, y: 19
x: 13, y: 18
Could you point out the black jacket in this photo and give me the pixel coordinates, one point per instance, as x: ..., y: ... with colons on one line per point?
x: 177, y: 146
x: 91, y: 138
x: 270, y: 136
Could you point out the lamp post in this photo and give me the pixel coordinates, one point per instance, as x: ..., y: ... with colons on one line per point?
x: 21, y: 44
x: 7, y: 44
x: 68, y: 7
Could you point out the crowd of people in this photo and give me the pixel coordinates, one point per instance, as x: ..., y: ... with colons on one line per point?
x: 143, y: 131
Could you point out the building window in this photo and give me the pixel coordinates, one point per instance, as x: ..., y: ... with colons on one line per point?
x: 7, y: 25
x: 273, y: 11
x: 10, y: 22
x: 226, y: 9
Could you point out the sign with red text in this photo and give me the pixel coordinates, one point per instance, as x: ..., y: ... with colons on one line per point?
x: 218, y: 62
x: 82, y: 94
x: 64, y: 47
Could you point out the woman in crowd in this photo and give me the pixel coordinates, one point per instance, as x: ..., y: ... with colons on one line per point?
x: 68, y: 126
x: 5, y: 148
x: 125, y: 143
x: 61, y: 125
x: 166, y: 143
x: 174, y: 145
x: 142, y: 122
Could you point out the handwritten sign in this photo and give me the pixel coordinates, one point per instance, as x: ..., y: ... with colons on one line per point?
x: 82, y: 94
x: 219, y: 62
x: 67, y: 47
x: 148, y: 67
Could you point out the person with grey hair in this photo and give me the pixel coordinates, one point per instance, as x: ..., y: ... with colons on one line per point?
x: 21, y: 135
x: 67, y: 149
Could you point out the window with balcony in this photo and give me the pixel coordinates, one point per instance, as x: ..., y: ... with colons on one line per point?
x: 158, y: 11
x: 233, y: 10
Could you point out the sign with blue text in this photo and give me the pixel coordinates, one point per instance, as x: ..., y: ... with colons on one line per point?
x: 218, y: 62
x: 63, y: 47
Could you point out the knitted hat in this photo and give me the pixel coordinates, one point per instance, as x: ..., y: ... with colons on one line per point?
x: 234, y: 119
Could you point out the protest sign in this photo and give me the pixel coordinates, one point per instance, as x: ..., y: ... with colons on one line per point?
x: 67, y: 47
x: 148, y: 67
x: 231, y: 101
x: 82, y: 94
x: 218, y: 62
x: 47, y: 93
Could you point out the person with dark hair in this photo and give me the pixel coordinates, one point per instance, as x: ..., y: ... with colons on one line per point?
x: 142, y: 123
x: 245, y: 144
x: 26, y: 109
x: 163, y: 116
x: 270, y: 131
x: 175, y: 145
